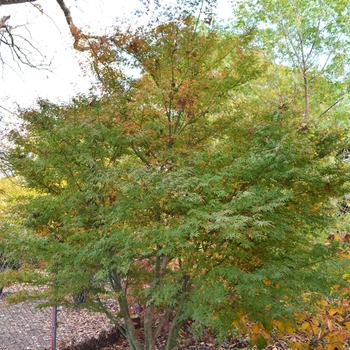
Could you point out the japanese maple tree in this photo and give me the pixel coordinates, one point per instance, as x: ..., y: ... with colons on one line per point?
x: 166, y: 194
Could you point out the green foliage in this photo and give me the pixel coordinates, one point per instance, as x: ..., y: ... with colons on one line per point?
x: 312, y: 39
x: 168, y: 193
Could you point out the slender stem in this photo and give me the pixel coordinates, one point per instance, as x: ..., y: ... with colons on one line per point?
x: 330, y: 107
x: 178, y: 321
x: 306, y: 94
x: 140, y: 155
x: 110, y: 317
x: 130, y: 330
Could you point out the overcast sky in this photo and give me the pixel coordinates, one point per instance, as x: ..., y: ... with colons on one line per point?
x: 46, y: 26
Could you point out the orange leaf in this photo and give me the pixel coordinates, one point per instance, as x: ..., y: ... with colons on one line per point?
x: 324, y: 302
x: 256, y: 329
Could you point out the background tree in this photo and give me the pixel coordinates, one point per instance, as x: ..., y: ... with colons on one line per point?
x: 312, y: 39
x: 11, y: 193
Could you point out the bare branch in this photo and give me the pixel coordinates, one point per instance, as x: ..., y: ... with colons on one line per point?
x: 61, y: 3
x: 14, y: 2
x: 20, y: 53
x: 330, y: 107
x: 3, y: 21
x: 7, y: 37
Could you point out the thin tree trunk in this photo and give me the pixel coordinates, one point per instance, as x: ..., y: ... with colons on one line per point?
x: 130, y: 330
x: 173, y: 333
x: 177, y: 322
x: 150, y: 340
x: 306, y: 95
x: 131, y: 335
x: 151, y: 333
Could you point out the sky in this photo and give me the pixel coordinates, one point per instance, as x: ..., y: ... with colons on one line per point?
x: 61, y: 76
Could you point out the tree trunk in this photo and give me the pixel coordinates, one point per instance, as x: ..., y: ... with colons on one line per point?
x: 66, y: 11
x: 306, y: 95
x: 151, y: 332
x: 130, y: 330
x: 178, y: 320
x: 173, y: 333
x: 150, y: 340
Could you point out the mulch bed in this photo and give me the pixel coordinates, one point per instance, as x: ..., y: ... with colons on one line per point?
x: 25, y: 327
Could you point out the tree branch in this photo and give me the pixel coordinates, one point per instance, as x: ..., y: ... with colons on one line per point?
x: 66, y: 11
x: 14, y: 2
x: 3, y: 21
x: 330, y: 107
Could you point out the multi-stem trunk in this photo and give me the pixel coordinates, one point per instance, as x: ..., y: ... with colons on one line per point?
x: 151, y: 330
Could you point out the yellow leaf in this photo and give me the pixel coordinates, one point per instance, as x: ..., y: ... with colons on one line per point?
x: 336, y: 336
x: 306, y: 326
x: 324, y: 302
x: 335, y: 311
x: 347, y: 325
x: 289, y: 327
x: 280, y: 326
x: 315, y: 321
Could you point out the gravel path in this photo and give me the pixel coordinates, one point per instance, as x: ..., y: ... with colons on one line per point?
x: 23, y: 327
